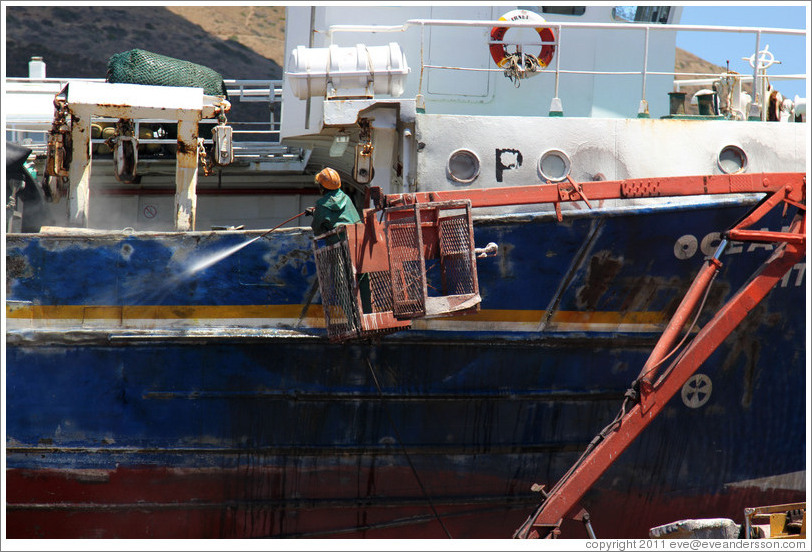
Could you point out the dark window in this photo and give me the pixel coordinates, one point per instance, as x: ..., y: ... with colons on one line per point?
x: 564, y: 10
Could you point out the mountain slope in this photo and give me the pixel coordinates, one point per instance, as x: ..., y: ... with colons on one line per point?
x: 77, y: 41
x: 686, y: 62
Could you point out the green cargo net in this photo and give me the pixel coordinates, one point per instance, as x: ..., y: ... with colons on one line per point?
x: 142, y: 67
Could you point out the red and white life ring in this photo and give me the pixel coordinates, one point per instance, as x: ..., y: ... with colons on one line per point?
x: 498, y: 51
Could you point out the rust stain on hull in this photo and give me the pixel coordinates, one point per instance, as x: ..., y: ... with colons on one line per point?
x: 602, y: 270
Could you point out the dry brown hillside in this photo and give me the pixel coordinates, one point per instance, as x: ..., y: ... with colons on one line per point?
x: 77, y: 41
x: 260, y: 28
x: 686, y: 62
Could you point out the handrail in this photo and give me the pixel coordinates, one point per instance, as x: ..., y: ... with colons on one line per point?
x: 559, y: 25
x: 242, y: 90
x: 238, y: 82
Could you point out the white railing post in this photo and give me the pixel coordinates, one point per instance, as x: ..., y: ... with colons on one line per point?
x: 556, y: 107
x: 642, y: 111
x: 755, y: 111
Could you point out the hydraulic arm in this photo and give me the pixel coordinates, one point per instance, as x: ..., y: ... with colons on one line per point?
x: 649, y: 393
x: 653, y: 388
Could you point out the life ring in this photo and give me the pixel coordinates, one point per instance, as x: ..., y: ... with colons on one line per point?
x: 499, y: 52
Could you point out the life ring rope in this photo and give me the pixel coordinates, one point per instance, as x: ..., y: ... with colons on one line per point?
x: 510, y: 61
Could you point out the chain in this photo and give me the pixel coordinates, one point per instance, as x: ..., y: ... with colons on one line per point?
x: 59, y: 141
x: 124, y: 127
x: 365, y: 137
x: 514, y: 69
x: 208, y: 165
x: 365, y: 134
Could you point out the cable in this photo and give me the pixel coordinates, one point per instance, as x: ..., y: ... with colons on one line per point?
x: 618, y: 418
x: 405, y: 452
x: 687, y: 333
x: 521, y: 532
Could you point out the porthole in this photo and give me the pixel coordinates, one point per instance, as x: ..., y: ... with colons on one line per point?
x: 463, y: 166
x: 732, y: 160
x: 554, y: 165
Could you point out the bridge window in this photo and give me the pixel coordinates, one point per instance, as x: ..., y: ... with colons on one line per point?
x: 558, y: 10
x: 564, y: 10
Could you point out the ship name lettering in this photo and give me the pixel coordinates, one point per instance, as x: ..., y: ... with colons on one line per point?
x: 688, y: 246
x: 507, y: 159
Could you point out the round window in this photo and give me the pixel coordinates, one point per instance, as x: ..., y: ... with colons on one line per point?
x: 732, y: 160
x: 554, y: 165
x: 463, y: 166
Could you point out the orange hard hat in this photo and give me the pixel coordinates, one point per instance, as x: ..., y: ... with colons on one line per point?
x: 328, y: 178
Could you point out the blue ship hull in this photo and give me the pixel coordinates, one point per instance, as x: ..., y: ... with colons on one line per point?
x: 145, y: 400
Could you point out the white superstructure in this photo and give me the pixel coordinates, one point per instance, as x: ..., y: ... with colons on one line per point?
x: 414, y: 99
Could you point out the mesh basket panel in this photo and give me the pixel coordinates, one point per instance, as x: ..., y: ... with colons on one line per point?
x: 142, y: 67
x: 457, y: 275
x: 381, y: 287
x: 335, y: 275
x: 455, y: 255
x: 454, y: 236
x: 406, y: 268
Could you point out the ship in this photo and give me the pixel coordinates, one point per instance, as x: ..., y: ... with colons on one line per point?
x: 174, y: 369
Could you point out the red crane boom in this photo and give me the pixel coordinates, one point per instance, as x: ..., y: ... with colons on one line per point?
x: 649, y: 393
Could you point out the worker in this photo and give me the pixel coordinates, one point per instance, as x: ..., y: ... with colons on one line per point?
x: 334, y: 208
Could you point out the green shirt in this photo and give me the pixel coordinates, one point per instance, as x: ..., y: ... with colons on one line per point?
x: 333, y: 209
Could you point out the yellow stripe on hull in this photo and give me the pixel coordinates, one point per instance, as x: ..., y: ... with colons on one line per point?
x: 240, y: 315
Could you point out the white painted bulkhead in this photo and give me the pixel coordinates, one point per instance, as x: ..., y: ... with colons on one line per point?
x: 481, y: 111
x: 598, y: 149
x: 615, y: 148
x: 481, y: 92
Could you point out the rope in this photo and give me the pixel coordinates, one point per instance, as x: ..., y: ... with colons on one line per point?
x: 631, y: 395
x: 405, y: 452
x: 687, y: 333
x: 515, y: 71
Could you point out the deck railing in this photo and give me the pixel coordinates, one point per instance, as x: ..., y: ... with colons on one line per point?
x: 252, y: 139
x: 559, y: 27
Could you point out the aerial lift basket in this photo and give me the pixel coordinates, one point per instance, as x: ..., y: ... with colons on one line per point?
x: 431, y: 259
x: 416, y: 261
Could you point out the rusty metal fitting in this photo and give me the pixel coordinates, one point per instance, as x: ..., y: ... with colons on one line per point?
x: 536, y: 488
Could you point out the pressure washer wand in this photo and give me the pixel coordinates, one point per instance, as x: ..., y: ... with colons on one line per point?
x: 281, y: 224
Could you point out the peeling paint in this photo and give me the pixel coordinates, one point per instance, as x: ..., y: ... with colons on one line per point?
x: 746, y: 351
x: 17, y: 266
x: 295, y: 258
x: 126, y: 251
x: 504, y: 260
x: 642, y: 292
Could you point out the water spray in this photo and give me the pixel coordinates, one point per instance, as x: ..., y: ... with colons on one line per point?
x: 206, y: 262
